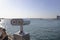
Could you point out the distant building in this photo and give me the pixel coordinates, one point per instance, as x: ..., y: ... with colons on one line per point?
x: 58, y: 17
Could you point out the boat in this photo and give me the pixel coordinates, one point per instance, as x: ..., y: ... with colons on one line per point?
x: 58, y: 17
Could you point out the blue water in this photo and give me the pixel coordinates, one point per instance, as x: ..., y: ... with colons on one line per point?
x: 41, y: 29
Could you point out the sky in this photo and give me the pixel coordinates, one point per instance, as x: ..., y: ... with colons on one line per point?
x: 29, y: 8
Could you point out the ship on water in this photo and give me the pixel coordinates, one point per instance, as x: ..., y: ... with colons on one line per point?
x: 58, y: 17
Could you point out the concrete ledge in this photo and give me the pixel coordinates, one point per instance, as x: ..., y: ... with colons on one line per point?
x: 24, y: 36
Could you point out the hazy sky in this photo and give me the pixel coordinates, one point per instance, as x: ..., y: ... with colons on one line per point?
x: 29, y: 8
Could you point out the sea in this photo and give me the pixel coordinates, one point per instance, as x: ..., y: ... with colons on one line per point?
x: 40, y: 29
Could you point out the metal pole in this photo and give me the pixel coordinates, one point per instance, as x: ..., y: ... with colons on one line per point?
x: 21, y: 26
x: 21, y: 29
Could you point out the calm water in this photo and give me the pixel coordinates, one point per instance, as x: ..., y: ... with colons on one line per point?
x: 41, y: 29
